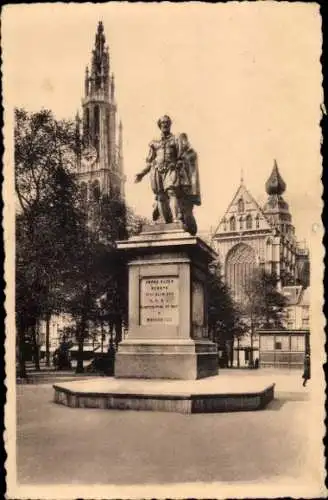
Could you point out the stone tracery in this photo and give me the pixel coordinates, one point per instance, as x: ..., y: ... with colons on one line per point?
x: 240, y: 263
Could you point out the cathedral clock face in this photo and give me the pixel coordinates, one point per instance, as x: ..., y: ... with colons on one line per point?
x: 89, y: 156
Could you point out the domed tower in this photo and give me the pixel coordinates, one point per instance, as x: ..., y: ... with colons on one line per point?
x: 277, y: 212
x: 276, y: 209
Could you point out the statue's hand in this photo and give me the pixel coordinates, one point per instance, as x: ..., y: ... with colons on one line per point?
x: 138, y: 178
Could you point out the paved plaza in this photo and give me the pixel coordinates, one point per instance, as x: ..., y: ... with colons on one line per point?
x: 58, y: 445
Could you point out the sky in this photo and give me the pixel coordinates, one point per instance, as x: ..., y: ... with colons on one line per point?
x: 242, y: 79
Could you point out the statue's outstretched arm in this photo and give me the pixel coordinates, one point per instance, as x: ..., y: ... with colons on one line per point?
x: 150, y: 158
x: 141, y: 174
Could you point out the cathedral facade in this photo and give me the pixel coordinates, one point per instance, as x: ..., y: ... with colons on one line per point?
x: 100, y: 155
x: 250, y: 236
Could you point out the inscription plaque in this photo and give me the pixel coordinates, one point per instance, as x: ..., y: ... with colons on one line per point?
x: 159, y: 301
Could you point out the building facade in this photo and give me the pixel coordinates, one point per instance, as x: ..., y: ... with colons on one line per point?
x: 58, y: 325
x: 298, y: 307
x: 287, y: 348
x: 283, y: 348
x: 250, y: 236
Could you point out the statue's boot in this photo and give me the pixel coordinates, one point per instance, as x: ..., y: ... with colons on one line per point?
x: 164, y: 211
x: 175, y: 209
x: 190, y: 225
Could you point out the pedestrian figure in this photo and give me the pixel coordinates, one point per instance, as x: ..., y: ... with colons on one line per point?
x: 307, y: 369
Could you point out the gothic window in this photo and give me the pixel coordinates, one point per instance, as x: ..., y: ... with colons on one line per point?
x: 241, y: 205
x: 96, y: 190
x: 268, y: 253
x: 257, y: 221
x: 240, y: 264
x: 116, y: 191
x: 241, y: 223
x: 224, y: 224
x: 232, y: 224
x: 249, y: 222
x: 96, y: 124
x: 84, y: 193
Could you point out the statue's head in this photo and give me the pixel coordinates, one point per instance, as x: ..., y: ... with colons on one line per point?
x: 164, y: 123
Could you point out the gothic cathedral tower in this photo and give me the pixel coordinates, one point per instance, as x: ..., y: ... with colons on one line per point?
x: 100, y: 162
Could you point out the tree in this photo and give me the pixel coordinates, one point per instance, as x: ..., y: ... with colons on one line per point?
x: 29, y: 291
x: 64, y: 222
x: 96, y: 289
x: 83, y: 283
x: 224, y: 319
x: 112, y: 228
x: 66, y: 250
x: 47, y: 220
x: 134, y: 222
x: 41, y: 145
x: 116, y: 221
x: 264, y: 306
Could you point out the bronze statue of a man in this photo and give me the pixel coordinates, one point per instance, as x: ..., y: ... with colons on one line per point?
x: 174, y: 177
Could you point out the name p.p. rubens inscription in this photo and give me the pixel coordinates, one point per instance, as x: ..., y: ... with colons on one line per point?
x: 159, y: 301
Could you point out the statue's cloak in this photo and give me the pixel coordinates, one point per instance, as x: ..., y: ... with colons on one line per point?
x: 191, y: 164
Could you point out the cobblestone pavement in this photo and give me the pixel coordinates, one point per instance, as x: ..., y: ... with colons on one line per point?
x: 57, y: 445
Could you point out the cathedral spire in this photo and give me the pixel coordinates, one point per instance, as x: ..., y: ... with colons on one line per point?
x: 99, y: 63
x: 242, y: 177
x: 100, y: 38
x: 78, y: 135
x: 120, y: 138
x: 120, y: 145
x: 275, y: 184
x: 100, y: 132
x: 276, y: 208
x: 112, y: 88
x: 86, y: 82
x: 77, y: 124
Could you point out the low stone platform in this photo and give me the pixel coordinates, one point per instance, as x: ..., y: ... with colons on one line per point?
x: 210, y: 395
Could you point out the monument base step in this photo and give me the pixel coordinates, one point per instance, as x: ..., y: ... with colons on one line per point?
x: 210, y: 395
x: 184, y: 360
x: 166, y: 366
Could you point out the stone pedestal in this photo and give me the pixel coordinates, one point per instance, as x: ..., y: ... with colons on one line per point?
x: 167, y: 336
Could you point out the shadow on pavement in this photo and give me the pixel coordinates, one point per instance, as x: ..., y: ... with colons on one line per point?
x: 282, y: 398
x: 293, y: 396
x: 275, y: 405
